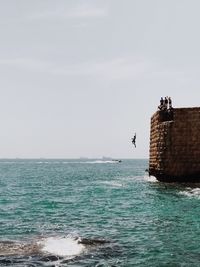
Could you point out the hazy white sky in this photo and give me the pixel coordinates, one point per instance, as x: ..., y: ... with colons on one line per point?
x: 79, y: 77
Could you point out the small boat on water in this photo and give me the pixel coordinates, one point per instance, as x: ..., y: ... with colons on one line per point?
x: 117, y: 160
x: 110, y: 159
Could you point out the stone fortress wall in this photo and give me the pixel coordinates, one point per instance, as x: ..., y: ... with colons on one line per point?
x: 175, y: 145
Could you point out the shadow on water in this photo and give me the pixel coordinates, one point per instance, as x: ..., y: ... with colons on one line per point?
x: 160, y: 186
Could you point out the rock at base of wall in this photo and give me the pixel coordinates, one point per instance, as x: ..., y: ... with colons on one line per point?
x: 192, y: 178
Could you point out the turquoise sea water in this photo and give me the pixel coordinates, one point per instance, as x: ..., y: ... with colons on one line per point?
x: 95, y: 213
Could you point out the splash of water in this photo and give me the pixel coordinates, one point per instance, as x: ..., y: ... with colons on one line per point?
x: 151, y: 179
x: 66, y: 246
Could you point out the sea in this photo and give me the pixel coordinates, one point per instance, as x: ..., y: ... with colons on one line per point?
x: 92, y: 212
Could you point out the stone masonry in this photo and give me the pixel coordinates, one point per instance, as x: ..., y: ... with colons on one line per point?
x: 175, y: 145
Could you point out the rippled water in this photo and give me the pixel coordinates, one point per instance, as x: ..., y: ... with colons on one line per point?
x: 95, y: 213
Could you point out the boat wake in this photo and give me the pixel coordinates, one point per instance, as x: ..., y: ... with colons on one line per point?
x: 99, y: 162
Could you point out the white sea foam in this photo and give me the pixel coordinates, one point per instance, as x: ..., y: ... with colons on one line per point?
x: 112, y: 183
x: 65, y: 246
x: 99, y: 161
x: 191, y: 192
x: 151, y: 179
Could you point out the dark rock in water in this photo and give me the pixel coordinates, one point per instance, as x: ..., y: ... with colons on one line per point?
x: 50, y: 258
x: 92, y: 242
x: 4, y: 261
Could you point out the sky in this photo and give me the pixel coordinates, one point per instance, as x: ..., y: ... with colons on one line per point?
x: 79, y: 77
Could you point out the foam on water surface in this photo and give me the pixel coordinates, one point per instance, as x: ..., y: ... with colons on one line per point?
x: 112, y: 183
x: 151, y: 179
x: 191, y: 192
x: 61, y: 246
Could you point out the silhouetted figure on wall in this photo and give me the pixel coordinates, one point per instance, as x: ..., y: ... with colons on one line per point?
x: 170, y: 110
x: 161, y: 104
x: 166, y: 109
x: 134, y: 140
x: 166, y: 103
x: 170, y: 103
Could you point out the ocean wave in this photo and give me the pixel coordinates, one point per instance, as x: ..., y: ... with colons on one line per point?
x: 151, y: 179
x: 62, y: 246
x: 66, y: 247
x: 57, y: 246
x: 112, y: 183
x: 191, y: 192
